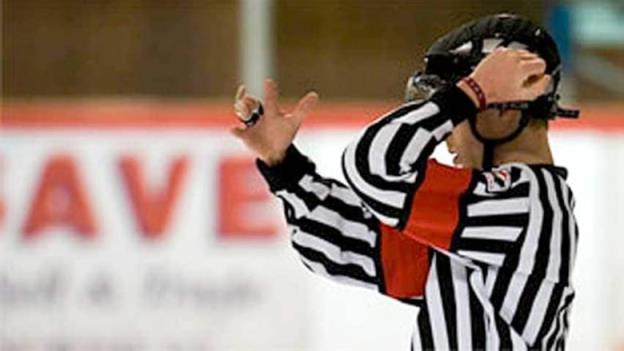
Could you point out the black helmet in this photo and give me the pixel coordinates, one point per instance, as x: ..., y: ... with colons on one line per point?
x: 456, y: 54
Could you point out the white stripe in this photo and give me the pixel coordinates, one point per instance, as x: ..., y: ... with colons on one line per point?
x: 538, y: 312
x: 493, y: 342
x: 523, y: 179
x: 492, y: 233
x: 414, y: 149
x: 536, y: 215
x: 346, y: 195
x: 388, y: 197
x: 298, y: 205
x: 558, y: 318
x: 348, y: 228
x: 517, y: 343
x: 380, y: 144
x: 416, y: 341
x: 527, y: 252
x: 481, y: 190
x: 554, y: 262
x: 487, y: 257
x: 514, y: 291
x: 571, y: 227
x: 308, y: 184
x: 436, y: 312
x: 423, y: 112
x: 389, y: 221
x: 462, y: 303
x: 443, y: 130
x: 566, y: 318
x: 320, y: 269
x: 488, y: 309
x: 553, y: 326
x: 491, y: 280
x: 498, y: 207
x: 334, y: 252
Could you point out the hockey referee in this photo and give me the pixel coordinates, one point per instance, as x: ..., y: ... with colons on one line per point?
x: 485, y: 248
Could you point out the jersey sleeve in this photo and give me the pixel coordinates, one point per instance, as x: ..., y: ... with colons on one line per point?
x: 336, y: 236
x: 387, y: 164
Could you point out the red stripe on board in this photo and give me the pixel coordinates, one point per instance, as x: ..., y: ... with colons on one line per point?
x: 162, y: 115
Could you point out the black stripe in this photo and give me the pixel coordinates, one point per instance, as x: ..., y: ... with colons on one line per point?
x: 508, y: 220
x: 362, y: 150
x: 333, y: 202
x: 565, y: 329
x: 447, y: 294
x: 402, y: 138
x: 477, y: 319
x: 349, y: 212
x: 421, y: 165
x: 333, y: 235
x: 542, y: 257
x: 484, y: 245
x: 399, y: 143
x: 555, y: 336
x: 415, y: 301
x: 519, y: 191
x: 397, y: 146
x: 350, y: 270
x: 506, y: 272
x: 564, y: 269
x: 381, y: 278
x: 516, y: 174
x: 501, y: 284
x: 551, y: 312
x: 310, y: 199
x: 504, y: 335
x: 463, y: 221
x: 375, y: 205
x: 424, y: 329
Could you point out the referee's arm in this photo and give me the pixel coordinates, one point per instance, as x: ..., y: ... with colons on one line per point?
x: 388, y: 163
x: 337, y: 237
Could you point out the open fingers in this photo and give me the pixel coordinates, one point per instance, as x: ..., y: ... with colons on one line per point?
x: 305, y: 105
x: 245, y: 106
x: 270, y: 98
x: 240, y: 92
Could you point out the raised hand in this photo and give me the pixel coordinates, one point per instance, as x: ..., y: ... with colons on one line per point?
x: 511, y: 75
x: 271, y: 135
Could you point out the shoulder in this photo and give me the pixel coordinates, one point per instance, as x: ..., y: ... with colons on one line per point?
x: 543, y: 184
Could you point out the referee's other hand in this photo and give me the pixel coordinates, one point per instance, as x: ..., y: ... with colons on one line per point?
x: 272, y: 134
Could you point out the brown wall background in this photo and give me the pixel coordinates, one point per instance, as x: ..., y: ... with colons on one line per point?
x: 119, y: 47
x: 343, y: 48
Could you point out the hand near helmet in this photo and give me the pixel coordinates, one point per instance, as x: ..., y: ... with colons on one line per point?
x: 508, y: 75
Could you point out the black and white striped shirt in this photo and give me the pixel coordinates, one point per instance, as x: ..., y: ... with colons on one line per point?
x: 487, y: 256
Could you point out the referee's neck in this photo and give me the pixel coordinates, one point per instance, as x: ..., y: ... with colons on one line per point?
x: 530, y: 147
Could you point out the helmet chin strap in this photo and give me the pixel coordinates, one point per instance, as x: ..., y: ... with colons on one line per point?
x: 489, y: 144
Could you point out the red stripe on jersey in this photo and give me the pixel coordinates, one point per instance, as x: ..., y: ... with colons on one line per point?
x: 405, y: 264
x: 435, y: 207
